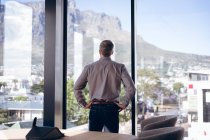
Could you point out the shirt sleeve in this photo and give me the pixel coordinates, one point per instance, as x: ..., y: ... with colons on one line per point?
x: 128, y: 85
x: 79, y: 85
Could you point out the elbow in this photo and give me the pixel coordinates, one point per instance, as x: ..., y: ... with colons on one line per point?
x: 76, y: 87
x: 133, y: 90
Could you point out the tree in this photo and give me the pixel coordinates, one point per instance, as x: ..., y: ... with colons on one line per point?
x: 74, y: 111
x: 37, y: 88
x: 177, y: 87
x: 124, y: 115
x: 148, y: 84
x: 20, y: 98
x: 3, y: 84
x: 3, y: 116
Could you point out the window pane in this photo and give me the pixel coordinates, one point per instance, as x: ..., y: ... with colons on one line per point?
x: 21, y: 62
x: 90, y: 22
x: 173, y: 61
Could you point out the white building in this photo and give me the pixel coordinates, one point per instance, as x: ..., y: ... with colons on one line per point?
x: 199, y: 104
x: 18, y: 40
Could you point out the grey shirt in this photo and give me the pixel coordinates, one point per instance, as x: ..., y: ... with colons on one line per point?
x: 104, y: 78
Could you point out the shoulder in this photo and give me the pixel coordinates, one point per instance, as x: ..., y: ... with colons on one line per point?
x: 91, y: 65
x: 117, y: 63
x: 120, y: 65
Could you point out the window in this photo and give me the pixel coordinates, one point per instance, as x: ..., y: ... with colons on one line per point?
x: 172, y: 40
x: 21, y: 62
x: 90, y: 22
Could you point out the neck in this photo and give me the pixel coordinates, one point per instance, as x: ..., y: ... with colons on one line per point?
x: 101, y: 56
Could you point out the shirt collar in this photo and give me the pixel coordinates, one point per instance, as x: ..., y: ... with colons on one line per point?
x: 105, y: 58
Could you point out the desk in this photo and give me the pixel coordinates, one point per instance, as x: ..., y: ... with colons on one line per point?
x: 19, y: 134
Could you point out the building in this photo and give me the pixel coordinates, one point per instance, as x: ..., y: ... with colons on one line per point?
x: 2, y: 12
x: 198, y: 97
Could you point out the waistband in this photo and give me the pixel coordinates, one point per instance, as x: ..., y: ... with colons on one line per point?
x: 104, y: 106
x: 94, y: 101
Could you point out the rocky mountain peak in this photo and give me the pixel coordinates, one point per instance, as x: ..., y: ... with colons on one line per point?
x: 98, y: 24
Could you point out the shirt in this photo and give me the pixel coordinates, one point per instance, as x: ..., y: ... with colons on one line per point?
x: 104, y: 78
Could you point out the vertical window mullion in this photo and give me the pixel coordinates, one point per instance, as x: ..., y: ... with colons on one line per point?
x: 49, y: 63
x: 133, y: 102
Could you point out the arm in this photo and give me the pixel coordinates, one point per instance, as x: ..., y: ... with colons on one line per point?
x: 79, y: 85
x: 129, y: 87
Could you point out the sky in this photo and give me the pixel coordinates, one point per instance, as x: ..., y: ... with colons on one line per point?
x: 175, y: 25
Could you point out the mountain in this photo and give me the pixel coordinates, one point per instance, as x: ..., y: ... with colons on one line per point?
x: 102, y: 26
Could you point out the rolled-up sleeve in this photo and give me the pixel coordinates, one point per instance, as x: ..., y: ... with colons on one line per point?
x: 129, y: 86
x: 79, y: 85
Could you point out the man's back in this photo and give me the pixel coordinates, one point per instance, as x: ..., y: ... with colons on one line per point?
x: 104, y: 78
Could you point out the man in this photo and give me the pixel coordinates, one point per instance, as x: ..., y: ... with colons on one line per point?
x: 104, y: 78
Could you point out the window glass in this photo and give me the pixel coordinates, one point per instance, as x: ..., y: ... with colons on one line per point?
x: 90, y: 22
x: 21, y: 62
x: 194, y: 77
x: 172, y: 53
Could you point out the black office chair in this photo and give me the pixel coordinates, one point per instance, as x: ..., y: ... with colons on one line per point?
x: 166, y: 133
x: 158, y: 122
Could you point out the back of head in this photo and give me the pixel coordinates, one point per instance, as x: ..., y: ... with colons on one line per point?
x: 106, y: 48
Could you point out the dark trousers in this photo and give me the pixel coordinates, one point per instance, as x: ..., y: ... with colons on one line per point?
x: 104, y: 115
